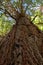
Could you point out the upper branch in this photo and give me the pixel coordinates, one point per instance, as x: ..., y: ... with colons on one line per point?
x: 10, y: 10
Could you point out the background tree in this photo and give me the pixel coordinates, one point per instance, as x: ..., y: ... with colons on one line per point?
x: 23, y: 45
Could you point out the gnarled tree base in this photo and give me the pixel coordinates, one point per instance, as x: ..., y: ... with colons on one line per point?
x: 23, y: 45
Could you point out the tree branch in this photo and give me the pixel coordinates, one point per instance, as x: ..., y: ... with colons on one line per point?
x: 10, y: 10
x: 34, y: 18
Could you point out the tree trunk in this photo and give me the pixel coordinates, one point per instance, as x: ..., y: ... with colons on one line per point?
x: 23, y: 45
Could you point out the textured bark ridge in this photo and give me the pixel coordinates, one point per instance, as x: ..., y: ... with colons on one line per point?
x: 23, y: 45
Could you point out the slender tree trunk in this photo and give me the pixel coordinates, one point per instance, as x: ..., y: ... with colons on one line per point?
x: 23, y: 45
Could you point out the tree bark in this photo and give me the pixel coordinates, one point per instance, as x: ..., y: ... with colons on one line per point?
x: 23, y: 45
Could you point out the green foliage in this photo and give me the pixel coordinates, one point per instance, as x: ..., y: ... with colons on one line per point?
x: 38, y: 20
x: 5, y: 25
